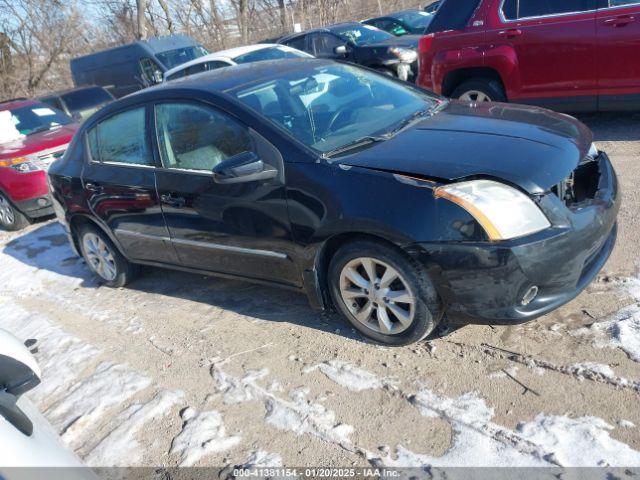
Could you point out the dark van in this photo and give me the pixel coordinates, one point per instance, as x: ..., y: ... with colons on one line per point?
x: 123, y: 70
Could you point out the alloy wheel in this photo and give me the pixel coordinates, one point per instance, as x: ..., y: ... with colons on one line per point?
x: 7, y: 216
x: 475, y: 96
x: 100, y: 257
x: 377, y: 295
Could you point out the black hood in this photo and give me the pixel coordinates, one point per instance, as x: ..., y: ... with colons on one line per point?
x: 526, y: 146
x: 407, y: 41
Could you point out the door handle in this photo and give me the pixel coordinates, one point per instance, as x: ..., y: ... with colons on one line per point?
x: 511, y: 33
x: 94, y: 187
x: 620, y: 21
x: 175, y: 202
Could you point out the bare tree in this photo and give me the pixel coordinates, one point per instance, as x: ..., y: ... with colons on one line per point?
x: 141, y: 19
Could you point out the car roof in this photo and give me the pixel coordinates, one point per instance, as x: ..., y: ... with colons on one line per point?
x: 225, y: 55
x: 395, y: 14
x: 238, y: 76
x: 17, y: 103
x: 328, y: 28
x: 59, y: 93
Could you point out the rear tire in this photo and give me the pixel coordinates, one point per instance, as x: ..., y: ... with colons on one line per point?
x: 104, y: 259
x: 11, y: 219
x: 479, y: 90
x: 398, y: 306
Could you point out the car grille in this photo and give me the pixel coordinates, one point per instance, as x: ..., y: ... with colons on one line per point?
x: 579, y: 189
x: 45, y: 158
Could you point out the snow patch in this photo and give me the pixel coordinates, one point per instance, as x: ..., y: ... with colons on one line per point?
x: 349, y: 376
x: 546, y: 441
x: 262, y: 459
x: 120, y: 446
x: 626, y: 424
x: 109, y: 386
x: 202, y: 434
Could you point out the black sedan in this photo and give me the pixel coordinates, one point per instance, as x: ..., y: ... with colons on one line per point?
x: 361, y: 44
x: 368, y: 194
x: 407, y: 22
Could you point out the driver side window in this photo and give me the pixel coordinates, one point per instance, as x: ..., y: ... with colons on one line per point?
x: 324, y: 45
x: 198, y: 137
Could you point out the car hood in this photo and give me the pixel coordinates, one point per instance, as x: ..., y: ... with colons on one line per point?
x: 408, y: 41
x: 37, y: 142
x: 529, y: 147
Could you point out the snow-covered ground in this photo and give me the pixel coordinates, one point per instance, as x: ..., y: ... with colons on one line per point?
x: 179, y: 369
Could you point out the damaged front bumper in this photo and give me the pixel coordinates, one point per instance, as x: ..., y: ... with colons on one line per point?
x: 492, y: 283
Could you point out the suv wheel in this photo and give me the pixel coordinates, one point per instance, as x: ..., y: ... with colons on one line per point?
x: 383, y: 294
x: 10, y: 217
x: 480, y: 90
x: 104, y: 259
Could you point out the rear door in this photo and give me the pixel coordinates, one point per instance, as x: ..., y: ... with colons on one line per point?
x: 618, y: 54
x: 554, y: 45
x: 119, y: 182
x: 238, y: 229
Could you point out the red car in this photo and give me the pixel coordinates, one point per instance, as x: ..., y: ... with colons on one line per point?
x: 569, y: 55
x: 32, y: 135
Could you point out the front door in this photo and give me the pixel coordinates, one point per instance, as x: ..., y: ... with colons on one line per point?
x: 120, y: 186
x: 618, y: 54
x: 554, y: 46
x: 239, y: 229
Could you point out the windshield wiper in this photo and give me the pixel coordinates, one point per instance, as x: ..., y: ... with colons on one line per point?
x: 355, y: 144
x: 410, y: 120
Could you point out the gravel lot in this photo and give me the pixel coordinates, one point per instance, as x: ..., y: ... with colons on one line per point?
x: 179, y: 369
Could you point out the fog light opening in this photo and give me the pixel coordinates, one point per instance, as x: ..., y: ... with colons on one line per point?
x: 530, y: 296
x: 43, y: 202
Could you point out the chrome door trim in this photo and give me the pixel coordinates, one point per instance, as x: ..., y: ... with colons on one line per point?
x: 537, y: 17
x: 130, y: 233
x: 231, y: 248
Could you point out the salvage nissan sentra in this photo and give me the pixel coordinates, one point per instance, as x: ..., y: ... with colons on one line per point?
x: 371, y: 195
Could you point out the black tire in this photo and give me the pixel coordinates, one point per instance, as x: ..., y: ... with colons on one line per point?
x: 125, y: 271
x: 11, y: 219
x: 427, y: 310
x: 491, y: 88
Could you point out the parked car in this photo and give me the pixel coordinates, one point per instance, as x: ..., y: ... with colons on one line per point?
x: 406, y: 22
x: 361, y: 44
x: 574, y: 55
x: 361, y: 190
x: 79, y: 103
x: 234, y: 56
x: 432, y: 7
x: 27, y: 438
x: 128, y: 68
x: 32, y: 135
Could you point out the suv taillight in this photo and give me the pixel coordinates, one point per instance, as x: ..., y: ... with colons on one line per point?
x: 425, y: 43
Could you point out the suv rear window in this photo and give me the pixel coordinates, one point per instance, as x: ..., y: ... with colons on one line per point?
x: 453, y: 15
x: 517, y: 9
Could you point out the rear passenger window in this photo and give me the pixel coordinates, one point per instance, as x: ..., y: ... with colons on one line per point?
x: 121, y: 139
x: 619, y: 3
x: 518, y: 9
x: 299, y: 42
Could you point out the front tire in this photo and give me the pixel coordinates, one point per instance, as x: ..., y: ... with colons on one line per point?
x: 11, y: 219
x: 104, y: 259
x: 480, y: 90
x: 383, y: 293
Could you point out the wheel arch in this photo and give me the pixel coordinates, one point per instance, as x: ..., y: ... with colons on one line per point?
x: 76, y: 221
x: 455, y: 78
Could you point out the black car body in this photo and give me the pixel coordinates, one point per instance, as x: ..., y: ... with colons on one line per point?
x: 79, y: 103
x: 285, y: 222
x: 406, y: 22
x: 381, y: 51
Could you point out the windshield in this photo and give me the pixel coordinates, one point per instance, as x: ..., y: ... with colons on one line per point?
x: 332, y: 106
x: 416, y: 20
x: 176, y: 57
x: 361, y: 34
x: 37, y: 118
x: 270, y: 53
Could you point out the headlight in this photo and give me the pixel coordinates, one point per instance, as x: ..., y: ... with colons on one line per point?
x: 404, y: 54
x: 19, y: 164
x: 502, y: 211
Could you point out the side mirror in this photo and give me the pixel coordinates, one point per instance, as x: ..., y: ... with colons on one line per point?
x: 77, y: 117
x: 19, y: 373
x: 341, y: 50
x: 242, y: 168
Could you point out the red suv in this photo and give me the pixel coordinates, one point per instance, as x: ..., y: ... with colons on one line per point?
x: 32, y: 135
x: 569, y: 55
